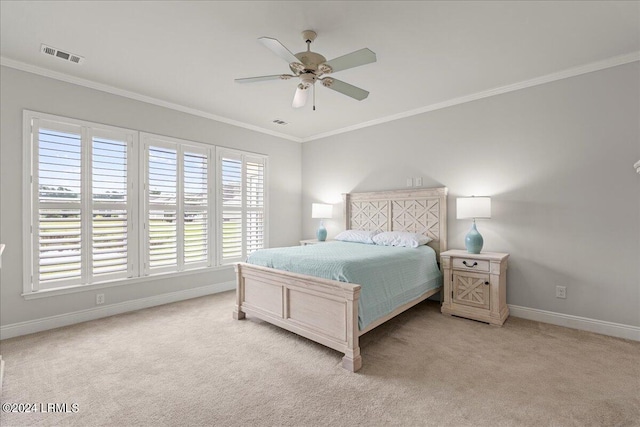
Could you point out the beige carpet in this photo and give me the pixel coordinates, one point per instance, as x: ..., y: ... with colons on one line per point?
x: 190, y: 363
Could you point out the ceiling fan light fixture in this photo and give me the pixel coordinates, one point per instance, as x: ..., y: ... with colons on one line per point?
x: 300, y: 98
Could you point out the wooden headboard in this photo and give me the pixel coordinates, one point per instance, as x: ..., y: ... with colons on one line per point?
x: 422, y: 211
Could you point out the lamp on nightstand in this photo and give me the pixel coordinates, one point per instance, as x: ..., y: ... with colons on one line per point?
x: 473, y: 207
x: 321, y: 211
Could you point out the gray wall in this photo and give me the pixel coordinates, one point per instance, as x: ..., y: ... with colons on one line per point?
x: 557, y: 160
x: 21, y: 90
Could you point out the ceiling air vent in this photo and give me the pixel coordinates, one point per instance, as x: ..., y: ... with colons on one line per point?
x: 280, y: 122
x: 71, y: 57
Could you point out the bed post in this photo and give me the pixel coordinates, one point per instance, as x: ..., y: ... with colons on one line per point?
x: 352, y: 361
x: 346, y: 210
x: 238, y: 314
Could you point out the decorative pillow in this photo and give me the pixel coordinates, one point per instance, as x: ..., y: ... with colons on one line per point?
x: 401, y: 238
x: 357, y: 236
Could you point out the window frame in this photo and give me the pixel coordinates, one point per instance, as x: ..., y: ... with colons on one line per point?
x: 244, y: 157
x: 136, y: 165
x: 180, y: 146
x: 31, y: 204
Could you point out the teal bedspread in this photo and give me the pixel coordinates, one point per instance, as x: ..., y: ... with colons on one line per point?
x: 389, y: 276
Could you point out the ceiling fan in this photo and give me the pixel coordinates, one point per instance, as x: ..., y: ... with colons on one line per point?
x: 309, y: 67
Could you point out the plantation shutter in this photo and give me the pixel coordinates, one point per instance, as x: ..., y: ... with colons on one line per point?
x: 58, y: 214
x: 102, y: 207
x: 178, y: 211
x: 254, y: 214
x: 196, y: 207
x: 81, y: 204
x: 241, y: 205
x: 111, y: 206
x: 231, y: 212
x: 162, y: 207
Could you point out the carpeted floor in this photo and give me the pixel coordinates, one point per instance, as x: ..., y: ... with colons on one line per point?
x: 191, y: 364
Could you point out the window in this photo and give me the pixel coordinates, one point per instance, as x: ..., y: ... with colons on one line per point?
x: 106, y: 208
x: 177, y: 229
x: 241, y: 203
x: 80, y: 230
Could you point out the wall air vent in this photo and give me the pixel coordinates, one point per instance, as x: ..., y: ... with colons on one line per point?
x: 52, y: 51
x: 280, y: 122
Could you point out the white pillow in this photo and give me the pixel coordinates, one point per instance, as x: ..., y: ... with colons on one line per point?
x: 357, y: 236
x: 401, y: 238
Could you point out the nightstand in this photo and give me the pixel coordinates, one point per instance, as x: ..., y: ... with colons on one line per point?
x: 311, y: 242
x: 475, y: 285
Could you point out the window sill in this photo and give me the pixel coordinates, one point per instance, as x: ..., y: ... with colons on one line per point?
x: 122, y: 282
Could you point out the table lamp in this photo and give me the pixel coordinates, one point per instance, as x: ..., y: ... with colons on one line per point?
x: 321, y: 211
x: 473, y: 207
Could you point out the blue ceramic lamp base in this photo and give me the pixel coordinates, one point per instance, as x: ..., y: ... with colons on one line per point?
x: 473, y: 241
x: 321, y: 233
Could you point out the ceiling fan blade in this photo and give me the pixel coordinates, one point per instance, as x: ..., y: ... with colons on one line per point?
x: 278, y: 48
x: 263, y: 78
x: 353, y: 59
x: 300, y: 98
x: 345, y: 88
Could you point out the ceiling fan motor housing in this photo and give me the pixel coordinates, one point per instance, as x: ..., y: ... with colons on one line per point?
x: 310, y: 60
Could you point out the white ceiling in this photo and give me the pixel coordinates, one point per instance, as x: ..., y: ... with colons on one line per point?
x: 186, y: 54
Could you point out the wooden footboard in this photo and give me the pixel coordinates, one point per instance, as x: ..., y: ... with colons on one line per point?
x: 325, y: 311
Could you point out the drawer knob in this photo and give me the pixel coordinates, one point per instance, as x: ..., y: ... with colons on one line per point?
x: 472, y: 265
x: 486, y: 283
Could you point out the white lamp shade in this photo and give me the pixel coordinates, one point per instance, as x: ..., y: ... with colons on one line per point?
x: 320, y: 210
x: 300, y: 98
x: 473, y: 207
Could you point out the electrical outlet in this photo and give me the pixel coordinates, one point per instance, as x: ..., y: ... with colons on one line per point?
x: 409, y: 182
x: 99, y: 299
x: 561, y: 291
x: 418, y: 182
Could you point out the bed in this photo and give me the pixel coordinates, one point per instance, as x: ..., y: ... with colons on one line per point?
x: 326, y: 310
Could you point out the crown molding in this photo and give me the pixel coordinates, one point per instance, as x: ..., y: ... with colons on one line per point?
x: 18, y: 65
x: 570, y: 72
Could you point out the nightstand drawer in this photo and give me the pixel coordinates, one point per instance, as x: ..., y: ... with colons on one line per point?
x: 471, y: 264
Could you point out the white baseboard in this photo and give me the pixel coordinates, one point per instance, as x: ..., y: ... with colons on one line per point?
x: 31, y: 326
x: 46, y: 323
x: 618, y: 330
